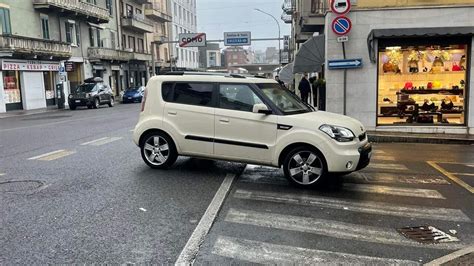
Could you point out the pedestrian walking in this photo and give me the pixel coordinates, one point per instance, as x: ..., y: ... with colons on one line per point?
x: 305, y: 88
x: 277, y: 78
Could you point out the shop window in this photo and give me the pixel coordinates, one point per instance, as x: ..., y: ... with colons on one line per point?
x: 11, y: 87
x: 5, y: 21
x: 45, y: 26
x: 422, y: 84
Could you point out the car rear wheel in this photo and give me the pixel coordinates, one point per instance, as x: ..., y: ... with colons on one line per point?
x: 96, y: 103
x: 111, y: 103
x: 158, y: 150
x: 304, y: 166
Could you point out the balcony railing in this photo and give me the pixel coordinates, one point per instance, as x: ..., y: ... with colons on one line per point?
x: 286, y: 18
x: 288, y: 7
x: 137, y: 23
x: 26, y: 45
x: 89, y: 11
x: 109, y: 54
x: 141, y: 56
x: 141, y: 2
x: 154, y: 11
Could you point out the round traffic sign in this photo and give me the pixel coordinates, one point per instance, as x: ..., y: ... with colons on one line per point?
x: 341, y: 25
x: 340, y: 7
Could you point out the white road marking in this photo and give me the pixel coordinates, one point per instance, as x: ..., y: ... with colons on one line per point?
x: 329, y: 228
x: 267, y: 253
x: 375, y: 151
x: 446, y: 259
x: 105, y: 141
x: 142, y: 209
x: 2, y: 174
x: 188, y: 254
x: 466, y: 174
x: 52, y: 155
x: 92, y: 141
x: 396, y: 191
x: 361, y: 177
x: 372, y: 207
x: 391, y: 166
x: 383, y: 157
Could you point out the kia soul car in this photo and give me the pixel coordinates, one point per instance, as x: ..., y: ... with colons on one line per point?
x: 246, y: 119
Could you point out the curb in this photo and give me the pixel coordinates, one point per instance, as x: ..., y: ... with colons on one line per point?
x: 416, y: 139
x: 454, y: 258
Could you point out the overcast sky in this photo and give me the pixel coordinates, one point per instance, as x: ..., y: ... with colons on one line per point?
x: 214, y: 17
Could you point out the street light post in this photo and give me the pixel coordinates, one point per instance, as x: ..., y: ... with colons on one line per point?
x: 278, y: 24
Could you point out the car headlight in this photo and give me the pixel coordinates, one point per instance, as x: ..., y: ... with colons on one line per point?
x: 88, y: 95
x: 70, y: 96
x: 340, y: 134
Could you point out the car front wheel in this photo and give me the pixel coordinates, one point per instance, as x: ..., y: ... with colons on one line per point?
x: 111, y: 103
x: 96, y: 103
x: 158, y: 150
x: 304, y: 166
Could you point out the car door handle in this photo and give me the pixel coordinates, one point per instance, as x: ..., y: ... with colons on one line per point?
x: 224, y: 120
x: 172, y: 112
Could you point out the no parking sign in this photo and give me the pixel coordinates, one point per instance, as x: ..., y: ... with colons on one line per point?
x: 341, y: 25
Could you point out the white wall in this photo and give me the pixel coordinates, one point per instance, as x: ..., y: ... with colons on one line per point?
x: 2, y: 100
x: 32, y: 90
x: 362, y: 83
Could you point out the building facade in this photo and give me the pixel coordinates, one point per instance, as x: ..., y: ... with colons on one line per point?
x: 210, y: 56
x: 184, y: 21
x: 159, y: 13
x: 235, y: 55
x: 102, y: 38
x: 416, y: 74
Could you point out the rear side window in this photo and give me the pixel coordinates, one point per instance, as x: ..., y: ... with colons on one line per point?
x: 166, y: 91
x: 193, y: 93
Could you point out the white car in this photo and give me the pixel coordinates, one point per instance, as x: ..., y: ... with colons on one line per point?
x: 245, y: 119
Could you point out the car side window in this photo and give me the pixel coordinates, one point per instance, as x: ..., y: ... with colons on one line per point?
x: 166, y: 91
x: 237, y: 97
x: 193, y: 93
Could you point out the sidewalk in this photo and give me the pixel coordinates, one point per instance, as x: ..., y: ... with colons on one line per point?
x: 377, y: 136
x: 30, y: 112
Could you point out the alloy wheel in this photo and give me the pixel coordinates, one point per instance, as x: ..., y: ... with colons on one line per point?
x: 305, y: 167
x: 156, y: 150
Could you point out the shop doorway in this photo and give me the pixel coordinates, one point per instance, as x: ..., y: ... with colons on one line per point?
x: 49, y: 86
x: 12, y: 90
x: 75, y: 77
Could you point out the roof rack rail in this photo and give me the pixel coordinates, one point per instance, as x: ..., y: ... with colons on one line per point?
x: 182, y: 73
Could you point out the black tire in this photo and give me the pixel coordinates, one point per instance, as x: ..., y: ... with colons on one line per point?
x: 72, y: 107
x: 89, y: 106
x: 168, y: 156
x: 310, y: 169
x: 96, y: 103
x: 111, y: 103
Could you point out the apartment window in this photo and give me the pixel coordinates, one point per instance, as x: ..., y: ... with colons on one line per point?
x: 5, y: 21
x: 175, y: 9
x: 129, y: 10
x: 165, y: 50
x: 92, y: 2
x: 138, y: 11
x: 131, y: 43
x: 99, y: 41
x: 91, y: 37
x: 124, y: 41
x: 45, y: 26
x: 181, y: 55
x: 180, y: 14
x: 72, y: 33
x: 140, y: 45
x: 184, y: 15
x: 112, y: 40
x: 186, y: 55
x: 176, y: 31
x: 109, y: 5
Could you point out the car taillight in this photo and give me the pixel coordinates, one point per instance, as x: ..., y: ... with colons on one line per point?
x: 144, y: 99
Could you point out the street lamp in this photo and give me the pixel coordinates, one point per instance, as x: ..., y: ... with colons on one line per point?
x: 278, y: 24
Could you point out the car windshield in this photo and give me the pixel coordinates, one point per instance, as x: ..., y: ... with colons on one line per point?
x: 87, y: 87
x: 286, y: 101
x: 133, y: 89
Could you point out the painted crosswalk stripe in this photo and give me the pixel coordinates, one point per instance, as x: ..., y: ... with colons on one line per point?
x: 2, y: 174
x: 102, y: 141
x: 267, y: 253
x: 371, y: 207
x: 390, y: 166
x: 93, y: 141
x: 336, y: 229
x: 395, y: 191
x: 363, y: 177
x: 383, y: 157
x: 52, y: 155
x: 375, y: 151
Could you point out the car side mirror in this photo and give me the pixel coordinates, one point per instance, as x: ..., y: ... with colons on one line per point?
x: 261, y: 108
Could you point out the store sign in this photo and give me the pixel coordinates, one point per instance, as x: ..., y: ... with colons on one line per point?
x: 192, y: 39
x: 286, y: 42
x: 69, y: 66
x: 29, y: 65
x: 237, y: 38
x: 285, y: 57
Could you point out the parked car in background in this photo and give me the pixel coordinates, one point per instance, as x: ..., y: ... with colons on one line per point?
x: 92, y: 93
x: 133, y: 95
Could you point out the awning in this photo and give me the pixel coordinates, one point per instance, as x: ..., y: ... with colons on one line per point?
x: 310, y: 57
x: 413, y: 32
x: 286, y: 74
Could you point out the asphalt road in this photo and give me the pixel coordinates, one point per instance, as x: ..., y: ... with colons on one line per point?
x: 88, y: 197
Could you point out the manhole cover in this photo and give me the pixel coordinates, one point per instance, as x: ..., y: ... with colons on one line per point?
x: 427, y: 234
x: 17, y: 186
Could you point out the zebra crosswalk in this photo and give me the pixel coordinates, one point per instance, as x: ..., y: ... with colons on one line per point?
x: 265, y: 221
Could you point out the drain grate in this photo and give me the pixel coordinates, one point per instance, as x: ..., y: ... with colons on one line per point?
x: 20, y: 185
x: 427, y: 234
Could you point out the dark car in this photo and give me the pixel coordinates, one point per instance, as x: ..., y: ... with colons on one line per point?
x: 133, y: 95
x: 92, y: 93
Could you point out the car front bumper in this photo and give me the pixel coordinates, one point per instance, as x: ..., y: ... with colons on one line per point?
x: 365, y: 154
x: 80, y: 102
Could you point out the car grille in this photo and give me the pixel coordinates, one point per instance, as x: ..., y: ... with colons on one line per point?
x: 363, y: 136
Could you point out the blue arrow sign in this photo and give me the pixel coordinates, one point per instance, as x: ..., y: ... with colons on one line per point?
x: 345, y: 63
